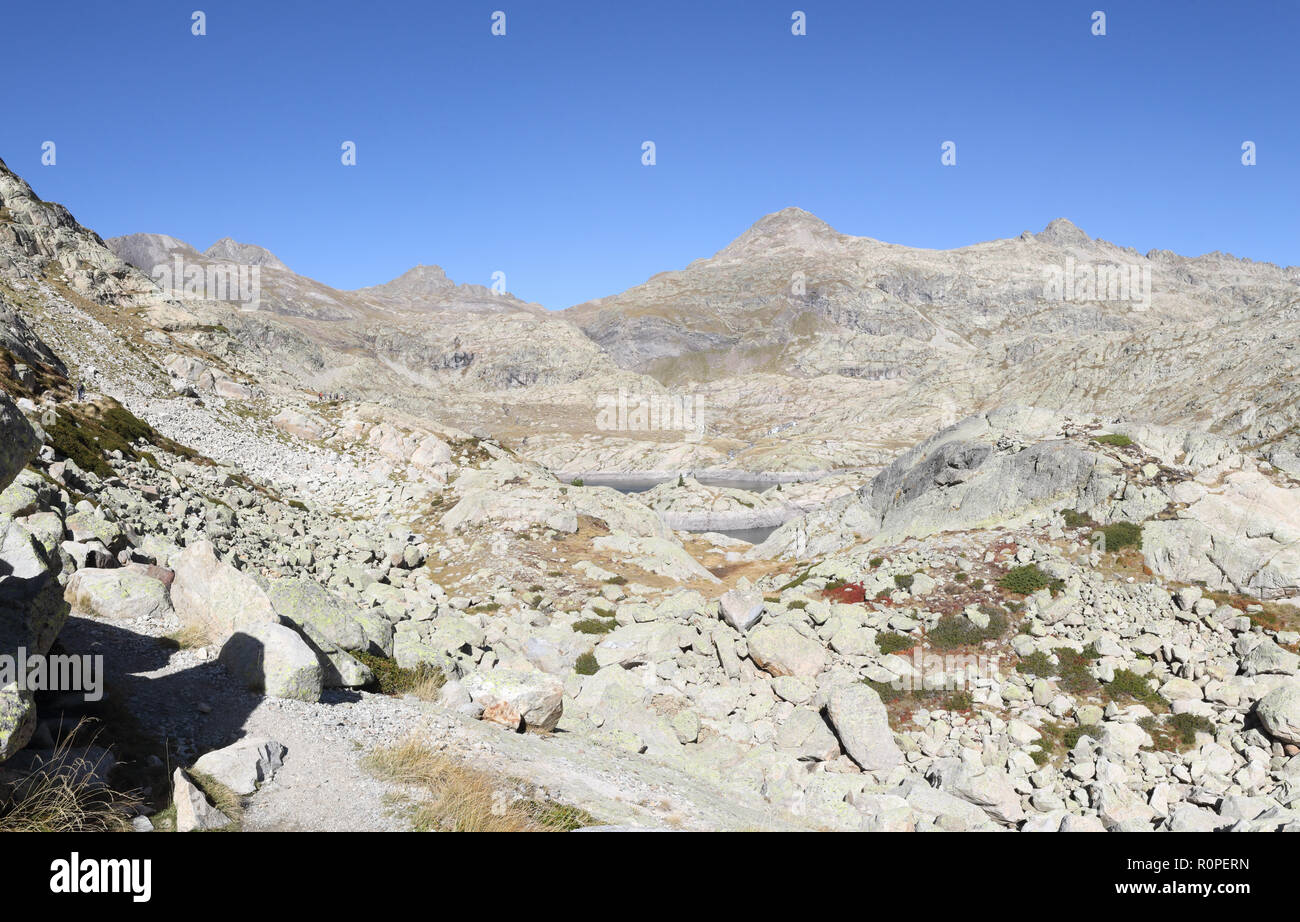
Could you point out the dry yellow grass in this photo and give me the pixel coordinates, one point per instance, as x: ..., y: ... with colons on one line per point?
x: 455, y: 798
x: 188, y: 637
x: 429, y: 689
x: 65, y: 796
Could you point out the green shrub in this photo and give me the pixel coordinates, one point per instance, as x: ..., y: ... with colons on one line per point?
x: 586, y: 664
x: 1120, y: 535
x: 1037, y: 663
x: 603, y: 612
x: 800, y: 604
x: 616, y: 581
x: 797, y: 581
x: 1119, y: 441
x: 977, y: 583
x: 576, y: 482
x: 959, y: 631
x: 392, y: 679
x: 1072, y: 669
x: 1128, y: 684
x: 1187, y: 725
x: 876, y: 561
x: 961, y: 576
x: 1025, y: 580
x: 890, y: 642
x: 888, y: 693
x: 1075, y: 519
x: 904, y: 580
x: 1070, y: 738
x: 594, y: 626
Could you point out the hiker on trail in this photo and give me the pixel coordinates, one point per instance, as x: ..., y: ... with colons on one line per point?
x: 81, y: 392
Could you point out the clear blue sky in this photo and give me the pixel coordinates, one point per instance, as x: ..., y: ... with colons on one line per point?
x: 523, y: 153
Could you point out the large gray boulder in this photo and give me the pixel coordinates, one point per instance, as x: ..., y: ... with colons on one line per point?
x: 517, y: 700
x: 986, y: 787
x: 741, y: 608
x: 1279, y: 713
x: 116, y: 594
x: 306, y: 602
x: 781, y: 650
x: 244, y: 765
x: 275, y: 660
x: 193, y: 812
x: 862, y: 724
x: 215, y: 597
x: 32, y: 612
x: 978, y: 474
x: 18, y: 441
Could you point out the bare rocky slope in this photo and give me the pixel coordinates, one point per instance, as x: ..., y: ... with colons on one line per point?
x: 1063, y: 614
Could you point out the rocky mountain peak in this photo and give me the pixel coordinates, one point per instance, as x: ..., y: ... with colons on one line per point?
x: 789, y: 228
x: 246, y: 254
x: 1063, y: 232
x: 415, y: 282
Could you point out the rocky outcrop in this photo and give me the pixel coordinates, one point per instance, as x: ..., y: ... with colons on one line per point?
x: 118, y: 594
x: 274, y: 660
x: 18, y: 443
x: 244, y: 765
x: 215, y: 597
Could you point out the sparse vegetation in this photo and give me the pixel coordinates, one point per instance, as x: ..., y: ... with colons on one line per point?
x: 221, y: 797
x: 455, y: 798
x: 1037, y: 663
x: 87, y: 440
x: 586, y: 664
x: 594, y: 626
x: 891, y: 642
x: 797, y: 581
x: 1115, y: 439
x: 1075, y: 519
x: 959, y: 631
x: 66, y: 795
x: 1177, y: 732
x: 1072, y: 669
x: 1128, y: 685
x: 1120, y: 535
x: 423, y: 681
x: 1025, y: 580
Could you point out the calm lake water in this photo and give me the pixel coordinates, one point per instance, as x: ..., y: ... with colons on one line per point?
x: 641, y: 484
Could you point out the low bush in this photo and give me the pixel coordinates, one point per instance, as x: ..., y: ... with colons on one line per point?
x: 959, y: 631
x: 1128, y: 685
x: 890, y: 642
x: 1119, y: 535
x: 392, y: 679
x: 1025, y: 580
